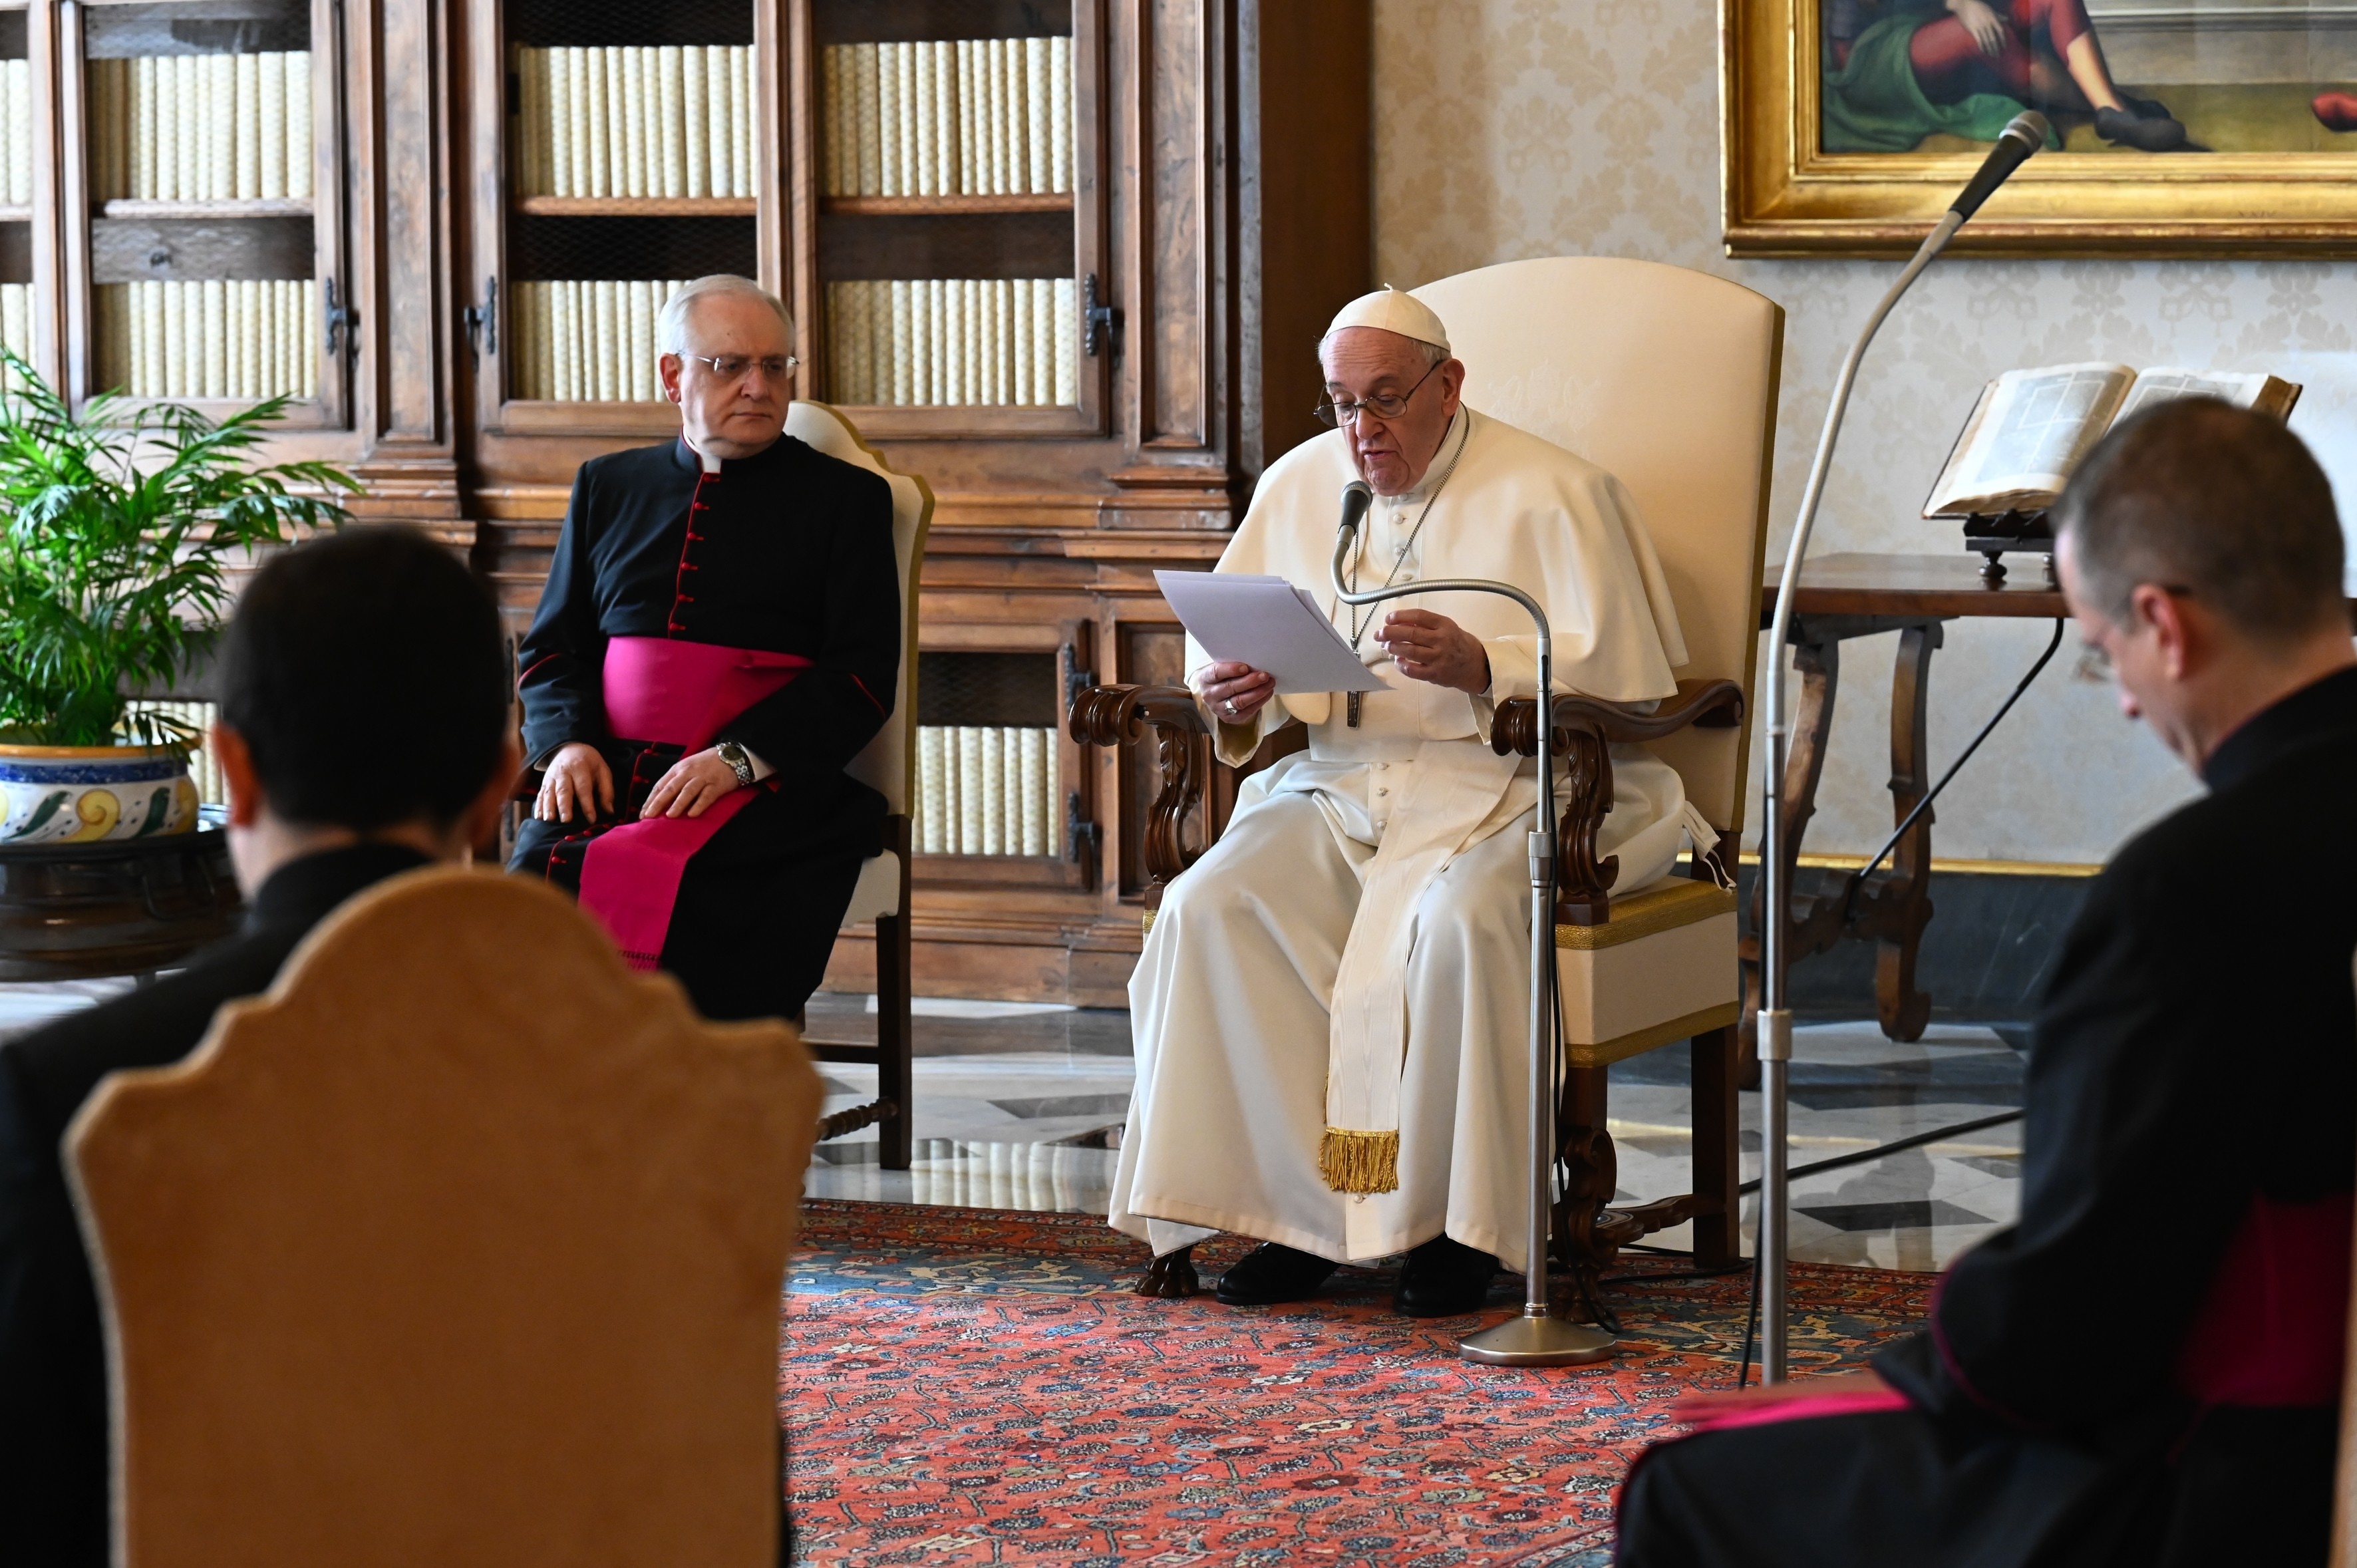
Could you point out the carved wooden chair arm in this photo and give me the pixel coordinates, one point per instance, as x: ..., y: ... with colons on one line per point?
x: 1699, y: 705
x: 1118, y: 715
x: 1584, y: 727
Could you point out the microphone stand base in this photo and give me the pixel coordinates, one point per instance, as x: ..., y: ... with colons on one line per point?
x: 1522, y: 1341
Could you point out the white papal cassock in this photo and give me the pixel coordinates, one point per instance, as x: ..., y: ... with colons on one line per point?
x: 1384, y: 869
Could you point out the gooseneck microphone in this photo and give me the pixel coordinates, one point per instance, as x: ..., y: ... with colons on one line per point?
x: 2024, y: 136
x: 1357, y: 497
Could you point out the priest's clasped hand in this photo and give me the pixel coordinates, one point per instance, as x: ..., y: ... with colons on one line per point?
x: 692, y: 785
x: 1434, y: 649
x: 576, y: 775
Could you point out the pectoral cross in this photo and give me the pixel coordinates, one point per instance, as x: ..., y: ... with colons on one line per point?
x: 1350, y: 708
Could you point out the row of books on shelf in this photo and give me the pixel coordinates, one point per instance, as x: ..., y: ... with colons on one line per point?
x: 202, y: 127
x: 986, y: 789
x: 16, y: 132
x: 16, y: 322
x: 203, y: 771
x: 586, y: 340
x: 989, y: 341
x: 668, y: 121
x: 212, y: 338
x: 950, y: 117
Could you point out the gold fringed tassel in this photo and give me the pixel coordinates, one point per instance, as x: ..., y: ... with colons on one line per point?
x: 1359, y: 1162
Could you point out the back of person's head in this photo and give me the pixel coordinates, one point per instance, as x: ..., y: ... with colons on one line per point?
x: 2201, y: 496
x: 367, y: 675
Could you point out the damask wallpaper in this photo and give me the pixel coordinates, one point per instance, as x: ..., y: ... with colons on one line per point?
x: 1512, y: 128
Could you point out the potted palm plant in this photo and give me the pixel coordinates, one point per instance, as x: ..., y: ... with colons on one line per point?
x: 119, y: 529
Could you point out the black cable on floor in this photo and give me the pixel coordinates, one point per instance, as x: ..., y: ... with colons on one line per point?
x: 1857, y: 877
x: 1849, y: 894
x: 1896, y: 1147
x: 1750, y: 1324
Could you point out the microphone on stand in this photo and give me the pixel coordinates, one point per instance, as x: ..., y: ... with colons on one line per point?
x: 2025, y: 136
x: 1357, y: 497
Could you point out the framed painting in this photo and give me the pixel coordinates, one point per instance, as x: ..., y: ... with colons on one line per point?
x: 2182, y: 127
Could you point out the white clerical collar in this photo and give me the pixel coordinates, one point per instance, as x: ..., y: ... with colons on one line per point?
x: 1461, y: 425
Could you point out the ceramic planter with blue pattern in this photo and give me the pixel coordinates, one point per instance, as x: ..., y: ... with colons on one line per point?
x: 88, y: 794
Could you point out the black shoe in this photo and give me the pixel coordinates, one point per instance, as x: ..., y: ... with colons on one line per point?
x: 1444, y: 1278
x: 2146, y: 134
x: 1270, y: 1273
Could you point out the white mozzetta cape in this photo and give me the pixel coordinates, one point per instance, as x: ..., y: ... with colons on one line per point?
x: 1515, y: 509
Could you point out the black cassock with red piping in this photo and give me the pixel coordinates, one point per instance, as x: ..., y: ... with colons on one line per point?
x: 788, y: 552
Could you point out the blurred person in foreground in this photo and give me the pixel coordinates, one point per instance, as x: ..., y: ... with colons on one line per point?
x: 364, y: 733
x: 2144, y: 1369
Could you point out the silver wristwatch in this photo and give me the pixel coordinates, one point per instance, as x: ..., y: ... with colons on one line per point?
x: 739, y: 763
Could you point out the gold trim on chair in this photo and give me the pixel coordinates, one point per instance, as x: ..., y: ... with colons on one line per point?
x: 1640, y: 1041
x: 1677, y: 902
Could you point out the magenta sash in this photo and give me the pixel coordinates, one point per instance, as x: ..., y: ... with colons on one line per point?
x: 2274, y: 1330
x: 670, y: 694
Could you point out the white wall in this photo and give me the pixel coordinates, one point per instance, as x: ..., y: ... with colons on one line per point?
x: 1512, y: 128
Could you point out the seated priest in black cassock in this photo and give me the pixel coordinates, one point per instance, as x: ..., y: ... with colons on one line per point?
x: 2144, y: 1368
x: 335, y: 645
x: 719, y: 635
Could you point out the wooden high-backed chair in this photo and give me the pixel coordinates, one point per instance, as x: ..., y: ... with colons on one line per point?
x: 1668, y: 379
x: 888, y: 766
x: 463, y: 1245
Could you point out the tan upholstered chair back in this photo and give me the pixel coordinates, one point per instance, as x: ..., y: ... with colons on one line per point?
x: 464, y: 1245
x: 1667, y: 377
x: 889, y: 764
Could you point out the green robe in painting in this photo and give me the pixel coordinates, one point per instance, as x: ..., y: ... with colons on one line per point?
x: 1874, y: 104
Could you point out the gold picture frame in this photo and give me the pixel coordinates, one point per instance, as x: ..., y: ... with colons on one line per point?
x: 1785, y: 194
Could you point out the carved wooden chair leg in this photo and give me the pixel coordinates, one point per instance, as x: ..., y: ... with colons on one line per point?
x: 1171, y: 1277
x: 1591, y: 1172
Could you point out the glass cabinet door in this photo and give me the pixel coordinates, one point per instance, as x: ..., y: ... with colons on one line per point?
x: 204, y: 204
x: 633, y: 155
x: 952, y: 149
x: 24, y: 150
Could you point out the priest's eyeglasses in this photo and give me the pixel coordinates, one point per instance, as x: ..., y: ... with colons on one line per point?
x: 2094, y: 665
x: 1386, y: 406
x: 732, y: 367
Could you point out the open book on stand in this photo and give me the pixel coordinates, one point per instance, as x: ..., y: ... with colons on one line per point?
x: 2030, y: 429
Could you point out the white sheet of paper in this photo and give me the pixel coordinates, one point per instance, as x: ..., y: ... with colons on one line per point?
x: 1269, y: 624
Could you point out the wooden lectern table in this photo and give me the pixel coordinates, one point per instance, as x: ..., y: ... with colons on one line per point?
x: 1847, y: 595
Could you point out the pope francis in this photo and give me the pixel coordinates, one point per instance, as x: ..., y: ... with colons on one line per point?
x: 1330, y: 1012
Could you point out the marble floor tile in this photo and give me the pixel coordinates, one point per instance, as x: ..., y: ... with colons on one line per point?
x: 1015, y: 1102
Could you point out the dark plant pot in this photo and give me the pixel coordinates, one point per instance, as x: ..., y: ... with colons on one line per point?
x: 77, y: 911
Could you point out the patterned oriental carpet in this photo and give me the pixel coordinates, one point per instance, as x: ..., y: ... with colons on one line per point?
x: 968, y: 1386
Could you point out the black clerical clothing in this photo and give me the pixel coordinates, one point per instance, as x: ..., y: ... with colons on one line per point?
x: 53, y: 1439
x: 787, y: 551
x: 2143, y: 1370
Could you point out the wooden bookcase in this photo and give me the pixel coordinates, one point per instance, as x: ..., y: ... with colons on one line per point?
x: 1202, y: 207
x: 212, y: 221
x: 1210, y: 213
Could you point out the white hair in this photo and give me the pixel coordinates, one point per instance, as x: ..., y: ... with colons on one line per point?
x: 671, y: 326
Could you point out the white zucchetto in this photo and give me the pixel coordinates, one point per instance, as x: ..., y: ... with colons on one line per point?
x: 1392, y: 311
